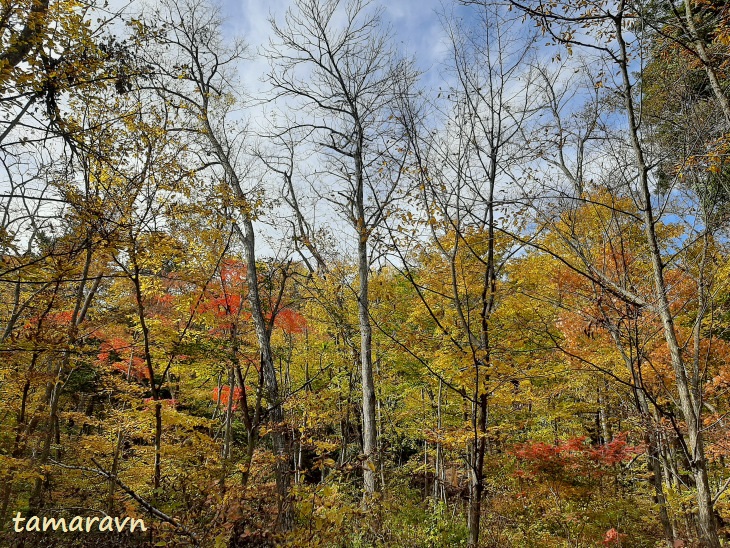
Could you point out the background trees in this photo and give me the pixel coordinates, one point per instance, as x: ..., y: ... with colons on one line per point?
x: 497, y: 305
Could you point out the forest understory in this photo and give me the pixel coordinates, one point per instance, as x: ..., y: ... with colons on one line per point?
x: 360, y: 274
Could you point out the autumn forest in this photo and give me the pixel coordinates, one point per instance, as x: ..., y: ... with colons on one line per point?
x: 329, y: 289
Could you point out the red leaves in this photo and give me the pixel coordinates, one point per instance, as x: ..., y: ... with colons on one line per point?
x: 164, y: 299
x: 226, y: 299
x: 225, y: 394
x: 233, y: 272
x: 290, y: 321
x: 541, y: 457
x: 224, y: 306
x: 614, y: 452
x: 118, y: 353
x: 61, y: 318
x: 571, y: 458
x: 612, y: 537
x: 52, y: 319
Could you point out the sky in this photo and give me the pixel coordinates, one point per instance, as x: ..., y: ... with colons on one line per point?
x: 416, y: 32
x: 415, y: 26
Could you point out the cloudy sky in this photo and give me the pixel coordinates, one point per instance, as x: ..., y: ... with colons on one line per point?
x: 416, y: 31
x: 415, y: 25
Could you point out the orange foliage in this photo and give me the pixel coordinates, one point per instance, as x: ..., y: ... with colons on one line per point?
x: 290, y: 321
x: 571, y: 458
x: 225, y: 394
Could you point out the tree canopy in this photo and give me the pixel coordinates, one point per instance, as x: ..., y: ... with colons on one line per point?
x: 364, y: 301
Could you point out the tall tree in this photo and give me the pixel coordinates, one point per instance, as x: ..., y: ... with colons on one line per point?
x: 194, y: 72
x: 618, y: 48
x: 464, y: 188
x: 334, y: 62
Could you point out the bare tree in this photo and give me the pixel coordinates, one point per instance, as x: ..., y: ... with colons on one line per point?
x: 333, y: 60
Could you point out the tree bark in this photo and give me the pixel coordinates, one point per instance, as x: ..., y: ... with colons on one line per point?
x: 369, y: 426
x: 691, y: 409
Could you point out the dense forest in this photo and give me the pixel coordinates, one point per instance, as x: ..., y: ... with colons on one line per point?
x: 316, y: 290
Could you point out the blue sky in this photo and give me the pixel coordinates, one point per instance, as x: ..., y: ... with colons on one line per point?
x: 415, y: 25
x: 416, y: 32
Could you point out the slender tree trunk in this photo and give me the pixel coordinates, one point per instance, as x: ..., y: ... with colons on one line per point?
x: 251, y: 423
x: 345, y: 423
x: 158, y: 447
x: 369, y: 426
x: 651, y: 432
x: 35, y: 500
x: 154, y: 387
x: 439, y: 489
x: 660, y: 498
x: 114, y: 470
x: 479, y: 446
x: 651, y: 439
x: 706, y: 61
x: 54, y: 388
x: 379, y: 432
x: 690, y: 408
x: 605, y: 432
x: 229, y: 419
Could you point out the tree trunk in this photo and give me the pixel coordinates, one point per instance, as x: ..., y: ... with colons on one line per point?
x: 369, y: 426
x: 439, y: 488
x: 690, y: 408
x: 479, y: 446
x: 114, y: 471
x: 268, y: 370
x: 706, y: 61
